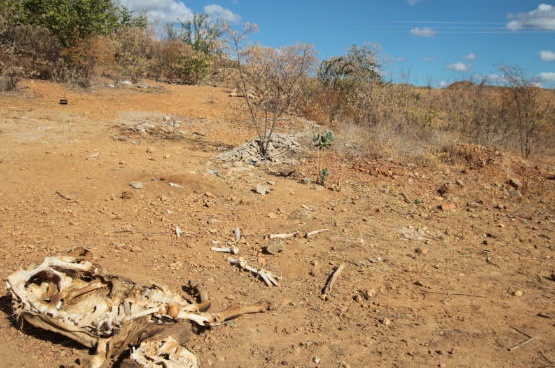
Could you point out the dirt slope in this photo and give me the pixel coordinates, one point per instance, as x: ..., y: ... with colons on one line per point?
x: 446, y: 267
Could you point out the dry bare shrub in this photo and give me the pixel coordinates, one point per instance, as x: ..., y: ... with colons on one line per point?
x: 29, y: 49
x: 522, y: 108
x: 271, y: 82
x: 133, y: 48
x: 78, y: 64
x: 177, y: 62
x: 512, y: 117
x: 9, y: 77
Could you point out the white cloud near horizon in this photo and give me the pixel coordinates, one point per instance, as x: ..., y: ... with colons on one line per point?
x: 547, y: 55
x: 162, y: 12
x: 459, y: 67
x: 547, y: 77
x: 218, y: 12
x: 423, y: 32
x: 470, y: 57
x: 542, y: 18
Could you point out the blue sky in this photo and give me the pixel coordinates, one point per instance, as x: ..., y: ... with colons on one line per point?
x: 423, y: 42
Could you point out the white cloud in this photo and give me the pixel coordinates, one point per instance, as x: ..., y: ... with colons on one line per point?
x: 459, y: 67
x: 547, y: 77
x: 443, y: 84
x: 495, y: 79
x: 547, y: 55
x: 423, y: 32
x: 160, y: 12
x: 543, y: 17
x: 470, y: 57
x: 216, y: 11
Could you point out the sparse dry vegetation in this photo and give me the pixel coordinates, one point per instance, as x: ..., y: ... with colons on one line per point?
x: 432, y: 213
x: 346, y: 92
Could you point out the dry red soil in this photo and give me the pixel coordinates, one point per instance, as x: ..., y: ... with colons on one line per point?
x: 450, y: 266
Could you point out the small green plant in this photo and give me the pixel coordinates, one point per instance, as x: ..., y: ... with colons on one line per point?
x: 322, y: 141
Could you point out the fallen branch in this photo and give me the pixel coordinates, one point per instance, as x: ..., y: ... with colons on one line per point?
x: 333, y: 277
x: 529, y: 338
x: 544, y: 357
x: 269, y: 278
x: 65, y: 197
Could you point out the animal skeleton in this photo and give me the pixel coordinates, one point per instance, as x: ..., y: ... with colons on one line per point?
x: 70, y: 295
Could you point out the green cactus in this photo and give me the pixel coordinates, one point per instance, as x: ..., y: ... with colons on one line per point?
x: 322, y: 141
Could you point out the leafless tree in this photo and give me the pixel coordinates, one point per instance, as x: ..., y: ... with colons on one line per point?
x: 270, y: 82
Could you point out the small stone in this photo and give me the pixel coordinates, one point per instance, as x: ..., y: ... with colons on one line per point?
x: 126, y: 195
x: 261, y: 189
x: 444, y: 189
x: 422, y: 251
x: 275, y: 246
x: 136, y: 185
x: 150, y: 150
x: 385, y: 321
x: 515, y: 183
x: 518, y: 293
x: 449, y: 206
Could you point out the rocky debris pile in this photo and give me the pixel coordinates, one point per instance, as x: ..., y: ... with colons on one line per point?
x: 168, y: 128
x: 281, y: 149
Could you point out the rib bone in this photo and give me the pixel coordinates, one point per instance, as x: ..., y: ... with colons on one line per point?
x: 69, y: 295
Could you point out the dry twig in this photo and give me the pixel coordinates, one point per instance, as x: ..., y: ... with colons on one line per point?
x: 529, y: 338
x: 333, y: 277
x: 65, y: 196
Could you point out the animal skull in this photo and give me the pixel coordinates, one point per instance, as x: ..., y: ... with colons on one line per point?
x: 70, y: 295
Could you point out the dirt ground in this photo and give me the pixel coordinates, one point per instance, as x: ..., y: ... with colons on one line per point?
x: 450, y: 266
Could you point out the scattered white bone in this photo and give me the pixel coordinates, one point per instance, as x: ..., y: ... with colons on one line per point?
x: 232, y: 250
x: 176, y: 185
x: 93, y: 156
x: 284, y: 236
x: 178, y: 231
x: 237, y: 233
x: 69, y: 295
x: 267, y: 276
x: 312, y: 233
x: 165, y: 353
